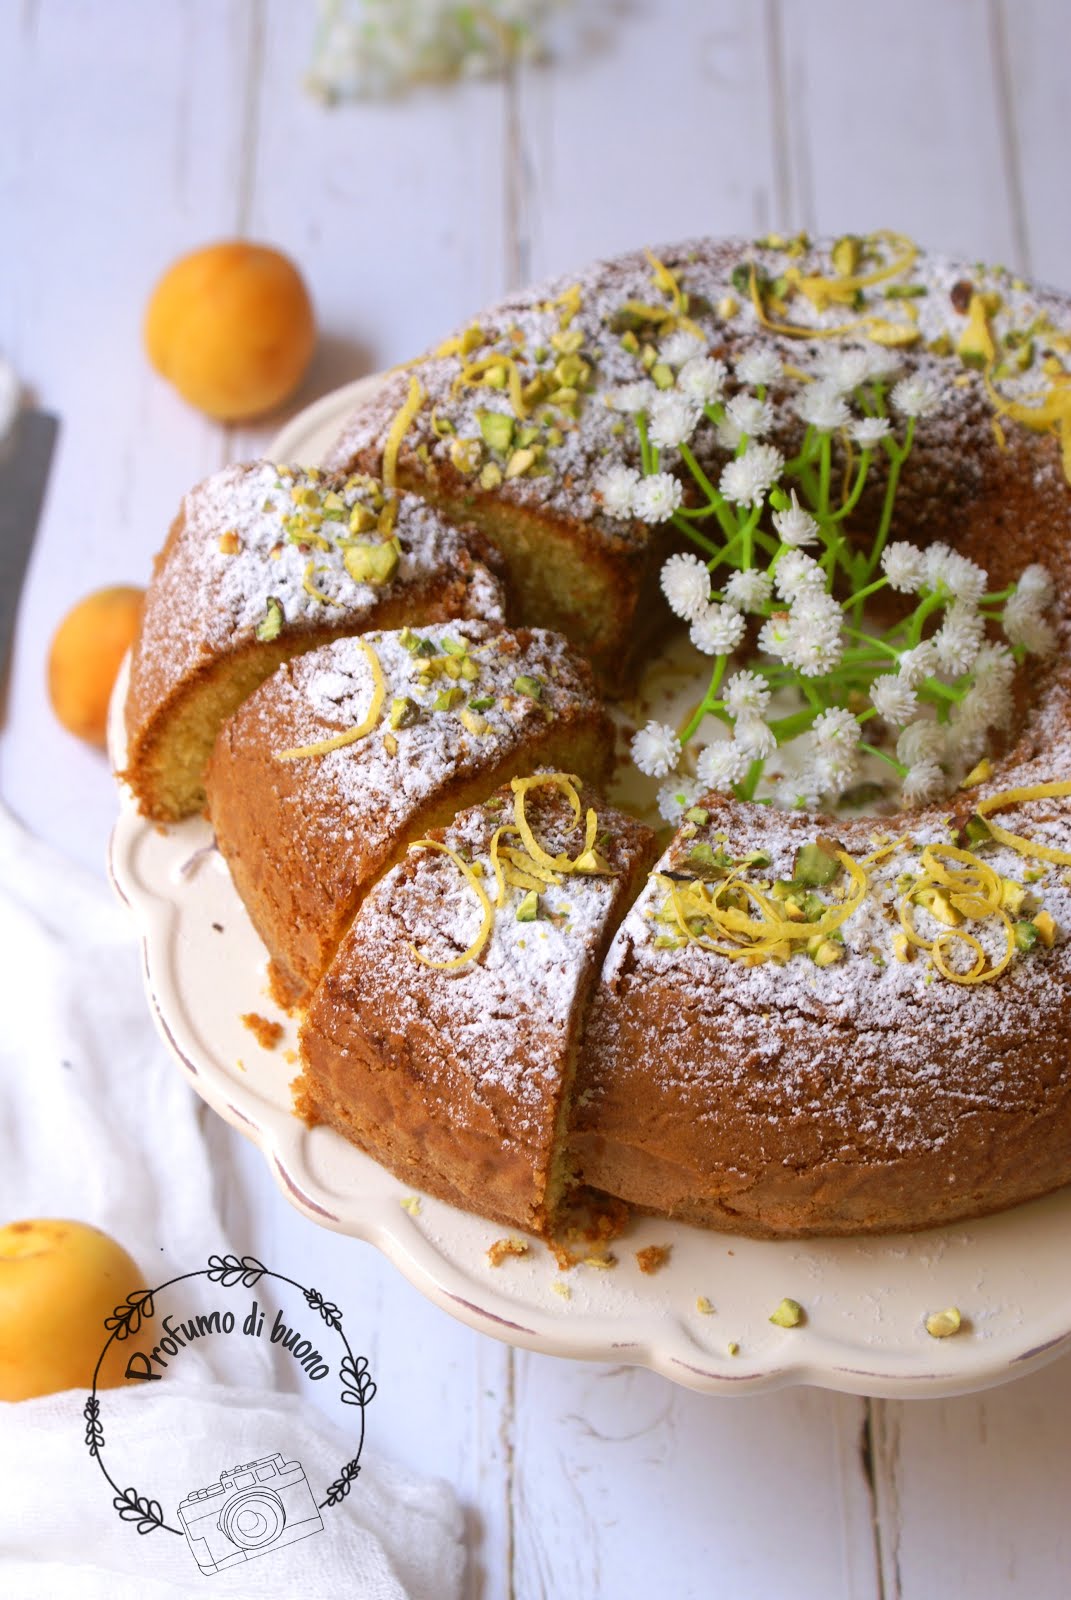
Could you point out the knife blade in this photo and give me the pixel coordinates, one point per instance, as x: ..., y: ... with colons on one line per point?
x: 25, y: 459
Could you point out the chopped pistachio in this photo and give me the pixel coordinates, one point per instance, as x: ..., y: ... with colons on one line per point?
x: 789, y: 1314
x: 495, y: 377
x: 906, y: 291
x: 697, y: 814
x: 497, y: 429
x: 845, y: 255
x: 727, y: 307
x: 271, y: 624
x: 816, y: 864
x: 466, y: 454
x: 519, y: 462
x: 416, y: 645
x: 733, y: 1348
x: 901, y: 945
x: 942, y: 1324
x: 1046, y: 928
x: 453, y: 647
x: 662, y: 375
x: 528, y: 910
x: 703, y: 1306
x: 977, y: 830
x: 403, y: 711
x: 1026, y: 935
x: 484, y: 703
x: 476, y: 724
x: 529, y: 686
x: 447, y: 699
x: 411, y: 1203
x: 361, y: 519
x: 1012, y: 894
x: 371, y: 563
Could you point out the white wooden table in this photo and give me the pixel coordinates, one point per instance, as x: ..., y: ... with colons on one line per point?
x: 135, y: 130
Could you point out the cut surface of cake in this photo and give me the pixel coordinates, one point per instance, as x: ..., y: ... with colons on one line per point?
x: 324, y: 775
x: 262, y: 563
x: 443, y: 1039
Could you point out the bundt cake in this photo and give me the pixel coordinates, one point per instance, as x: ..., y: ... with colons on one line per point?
x: 835, y: 1005
x: 261, y: 563
x: 444, y: 1037
x: 324, y: 775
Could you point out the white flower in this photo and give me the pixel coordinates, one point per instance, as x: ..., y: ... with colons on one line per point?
x: 721, y: 765
x: 918, y: 664
x: 842, y: 370
x: 746, y: 694
x: 1036, y: 584
x: 702, y: 380
x: 963, y: 579
x: 632, y: 396
x: 759, y: 367
x: 836, y: 729
x: 924, y: 781
x: 672, y: 421
x: 893, y: 699
x: 994, y: 664
x: 747, y: 480
x: 775, y: 636
x: 1024, y: 625
x: 795, y: 572
x: 748, y: 590
x: 686, y: 585
x: 754, y: 738
x: 882, y: 364
x: 959, y: 638
x: 904, y: 565
x: 717, y: 631
x: 987, y: 704
x: 800, y: 791
x: 727, y: 434
x: 680, y: 348
x: 656, y: 497
x: 822, y: 408
x: 917, y: 396
x: 921, y: 741
x: 869, y: 431
x: 617, y: 485
x: 751, y: 415
x: 675, y: 796
x: 656, y: 749
x: 795, y: 527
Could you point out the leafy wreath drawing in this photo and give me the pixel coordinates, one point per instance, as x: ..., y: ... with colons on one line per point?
x: 228, y: 1271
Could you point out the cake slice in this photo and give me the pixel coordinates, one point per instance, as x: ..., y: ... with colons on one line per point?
x: 324, y: 775
x: 443, y: 1038
x: 261, y: 563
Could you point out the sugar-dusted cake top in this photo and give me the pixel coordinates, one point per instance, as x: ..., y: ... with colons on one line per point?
x: 532, y: 400
x: 496, y: 943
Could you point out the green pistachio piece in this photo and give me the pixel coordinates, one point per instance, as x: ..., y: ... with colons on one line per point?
x: 816, y: 864
x: 531, y: 687
x: 568, y: 341
x: 697, y: 814
x: 466, y: 454
x: 490, y: 475
x: 416, y: 645
x: 977, y: 831
x: 528, y: 910
x: 495, y: 377
x: 271, y: 624
x: 519, y: 462
x: 371, y: 563
x: 497, y: 429
x: 403, y: 711
x: 662, y: 375
x: 789, y: 1314
x: 484, y: 703
x: 1026, y: 935
x: 942, y: 1324
x: 453, y: 647
x: 361, y: 519
x: 447, y: 699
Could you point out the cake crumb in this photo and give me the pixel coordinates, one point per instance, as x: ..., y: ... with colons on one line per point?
x: 266, y: 1033
x: 411, y: 1203
x: 562, y: 1289
x: 604, y: 1262
x: 653, y: 1258
x: 703, y: 1306
x: 506, y: 1247
x: 733, y: 1348
x: 290, y: 1057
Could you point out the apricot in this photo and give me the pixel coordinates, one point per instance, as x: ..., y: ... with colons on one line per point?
x: 232, y: 327
x: 58, y: 1282
x: 85, y: 656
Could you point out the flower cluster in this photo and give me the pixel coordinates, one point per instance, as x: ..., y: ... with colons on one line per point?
x: 777, y: 575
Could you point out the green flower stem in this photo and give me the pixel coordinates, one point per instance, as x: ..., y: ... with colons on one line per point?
x: 883, y: 755
x: 685, y: 527
x: 825, y: 469
x: 897, y: 456
x: 998, y: 598
x: 746, y: 789
x: 709, y: 703
x: 932, y: 603
x: 786, y: 728
x: 876, y: 644
x: 645, y: 448
x: 861, y: 594
x: 942, y: 691
x: 716, y: 498
x: 857, y: 488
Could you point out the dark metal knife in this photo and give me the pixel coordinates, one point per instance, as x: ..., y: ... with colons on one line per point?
x: 25, y: 458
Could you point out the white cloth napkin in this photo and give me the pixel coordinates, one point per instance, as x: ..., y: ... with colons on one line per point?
x: 96, y: 1124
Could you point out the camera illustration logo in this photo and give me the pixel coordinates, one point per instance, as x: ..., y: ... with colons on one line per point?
x: 251, y: 1510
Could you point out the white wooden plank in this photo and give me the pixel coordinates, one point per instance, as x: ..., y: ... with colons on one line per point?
x: 121, y: 150
x: 629, y: 1486
x: 1035, y: 38
x: 393, y: 209
x: 892, y: 122
x: 659, y: 130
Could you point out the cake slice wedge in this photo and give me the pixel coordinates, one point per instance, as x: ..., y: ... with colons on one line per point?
x: 443, y: 1038
x: 262, y: 563
x: 320, y: 780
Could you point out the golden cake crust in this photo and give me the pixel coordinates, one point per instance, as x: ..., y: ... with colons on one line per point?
x: 304, y: 838
x: 458, y: 1080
